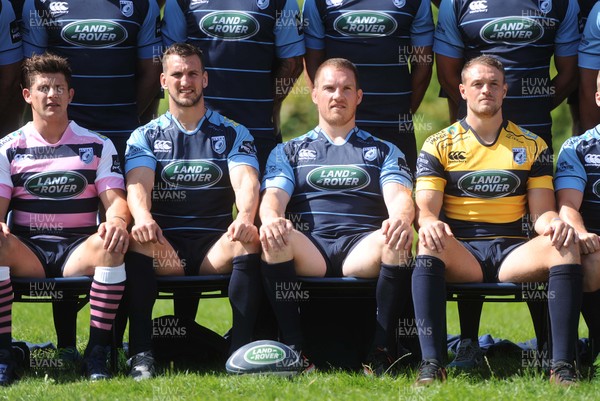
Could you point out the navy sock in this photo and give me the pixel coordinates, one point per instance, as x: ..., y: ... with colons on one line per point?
x: 392, y: 294
x: 245, y: 289
x: 590, y: 309
x: 279, y: 278
x: 140, y: 295
x: 564, y: 303
x: 429, y: 298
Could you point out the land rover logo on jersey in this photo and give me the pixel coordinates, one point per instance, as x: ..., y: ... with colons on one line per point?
x: 512, y: 30
x: 218, y: 144
x: 229, y: 25
x: 94, y: 33
x: 596, y: 188
x: 365, y: 23
x: 56, y: 184
x: 338, y: 178
x: 192, y: 173
x: 264, y: 354
x: 489, y: 183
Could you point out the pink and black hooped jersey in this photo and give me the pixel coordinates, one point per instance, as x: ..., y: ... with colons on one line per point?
x: 54, y: 188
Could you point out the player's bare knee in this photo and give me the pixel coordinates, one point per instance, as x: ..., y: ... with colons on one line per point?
x: 277, y: 255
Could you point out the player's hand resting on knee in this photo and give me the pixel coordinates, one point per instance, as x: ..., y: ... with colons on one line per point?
x: 274, y: 233
x: 147, y: 231
x: 398, y: 234
x: 432, y: 235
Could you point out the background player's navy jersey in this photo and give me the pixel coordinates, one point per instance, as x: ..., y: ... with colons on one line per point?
x: 192, y: 190
x: 578, y: 167
x: 102, y: 41
x: 377, y: 36
x: 241, y: 40
x: 10, y: 37
x: 523, y: 34
x: 336, y: 189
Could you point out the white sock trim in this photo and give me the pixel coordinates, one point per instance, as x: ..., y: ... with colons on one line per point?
x: 110, y: 275
x: 4, y: 273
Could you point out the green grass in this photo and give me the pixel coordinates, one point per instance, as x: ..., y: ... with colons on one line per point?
x: 499, y: 379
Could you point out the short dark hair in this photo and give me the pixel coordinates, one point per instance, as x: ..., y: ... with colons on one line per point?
x: 485, y: 59
x: 46, y: 63
x: 182, y: 50
x: 339, y: 63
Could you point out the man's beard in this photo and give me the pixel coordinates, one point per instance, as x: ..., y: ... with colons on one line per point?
x: 188, y: 102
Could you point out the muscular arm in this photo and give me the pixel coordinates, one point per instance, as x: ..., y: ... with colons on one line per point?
x: 139, y: 191
x: 4, y: 202
x: 565, y: 81
x: 569, y: 202
x: 542, y: 208
x: 114, y: 230
x: 312, y: 60
x: 420, y: 75
x: 448, y: 72
x: 398, y: 227
x: 147, y: 83
x: 11, y: 101
x: 244, y: 180
x: 432, y: 231
x: 287, y: 70
x: 589, y: 112
x: 275, y: 227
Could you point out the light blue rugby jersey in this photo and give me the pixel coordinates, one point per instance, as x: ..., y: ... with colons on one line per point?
x: 241, y: 40
x: 192, y: 188
x: 377, y: 36
x: 11, y: 50
x: 589, y: 47
x: 336, y: 189
x: 578, y: 168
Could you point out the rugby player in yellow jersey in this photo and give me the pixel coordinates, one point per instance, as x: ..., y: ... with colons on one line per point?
x: 478, y: 181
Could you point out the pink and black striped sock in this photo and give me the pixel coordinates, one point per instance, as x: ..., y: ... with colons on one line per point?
x: 105, y: 296
x: 6, y: 300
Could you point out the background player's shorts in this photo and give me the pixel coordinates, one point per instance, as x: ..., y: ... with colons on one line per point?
x: 490, y: 253
x: 191, y: 248
x: 335, y: 250
x: 53, y: 252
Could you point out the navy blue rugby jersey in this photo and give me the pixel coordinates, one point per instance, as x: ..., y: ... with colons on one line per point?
x: 103, y: 40
x: 378, y: 36
x: 192, y: 189
x: 578, y: 168
x: 336, y: 189
x: 241, y: 40
x: 11, y: 50
x: 523, y: 34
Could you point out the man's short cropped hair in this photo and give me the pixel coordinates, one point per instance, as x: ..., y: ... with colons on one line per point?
x: 485, y: 59
x: 182, y: 50
x: 46, y: 63
x: 339, y: 63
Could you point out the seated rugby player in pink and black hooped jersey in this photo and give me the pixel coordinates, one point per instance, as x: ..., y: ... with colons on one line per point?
x: 53, y: 173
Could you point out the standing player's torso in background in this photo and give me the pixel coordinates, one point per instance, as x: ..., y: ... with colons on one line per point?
x: 523, y: 34
x: 376, y: 36
x: 102, y: 41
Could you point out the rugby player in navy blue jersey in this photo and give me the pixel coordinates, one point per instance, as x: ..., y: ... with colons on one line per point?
x: 589, y: 65
x: 524, y: 35
x: 577, y: 183
x: 11, y: 55
x: 184, y: 172
x: 471, y: 210
x: 253, y: 51
x: 390, y: 42
x: 337, y: 202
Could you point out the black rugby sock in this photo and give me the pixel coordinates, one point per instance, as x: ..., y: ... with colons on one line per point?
x: 590, y: 309
x: 245, y: 288
x: 469, y: 314
x: 277, y: 278
x: 429, y: 298
x: 564, y: 303
x: 392, y: 294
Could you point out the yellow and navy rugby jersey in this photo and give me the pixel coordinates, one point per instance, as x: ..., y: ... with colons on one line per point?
x: 485, y: 186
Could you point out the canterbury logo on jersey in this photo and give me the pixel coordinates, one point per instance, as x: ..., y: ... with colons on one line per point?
x: 478, y: 7
x: 592, y: 158
x: 58, y: 8
x: 163, y: 146
x: 457, y: 156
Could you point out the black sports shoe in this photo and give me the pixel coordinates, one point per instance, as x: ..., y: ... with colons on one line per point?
x: 430, y: 371
x: 7, y: 368
x: 563, y: 374
x: 142, y: 366
x: 378, y: 362
x: 94, y: 363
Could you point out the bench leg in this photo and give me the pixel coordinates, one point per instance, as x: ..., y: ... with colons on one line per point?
x: 65, y: 322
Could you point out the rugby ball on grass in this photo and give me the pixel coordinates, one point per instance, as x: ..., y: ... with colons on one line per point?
x: 265, y: 357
